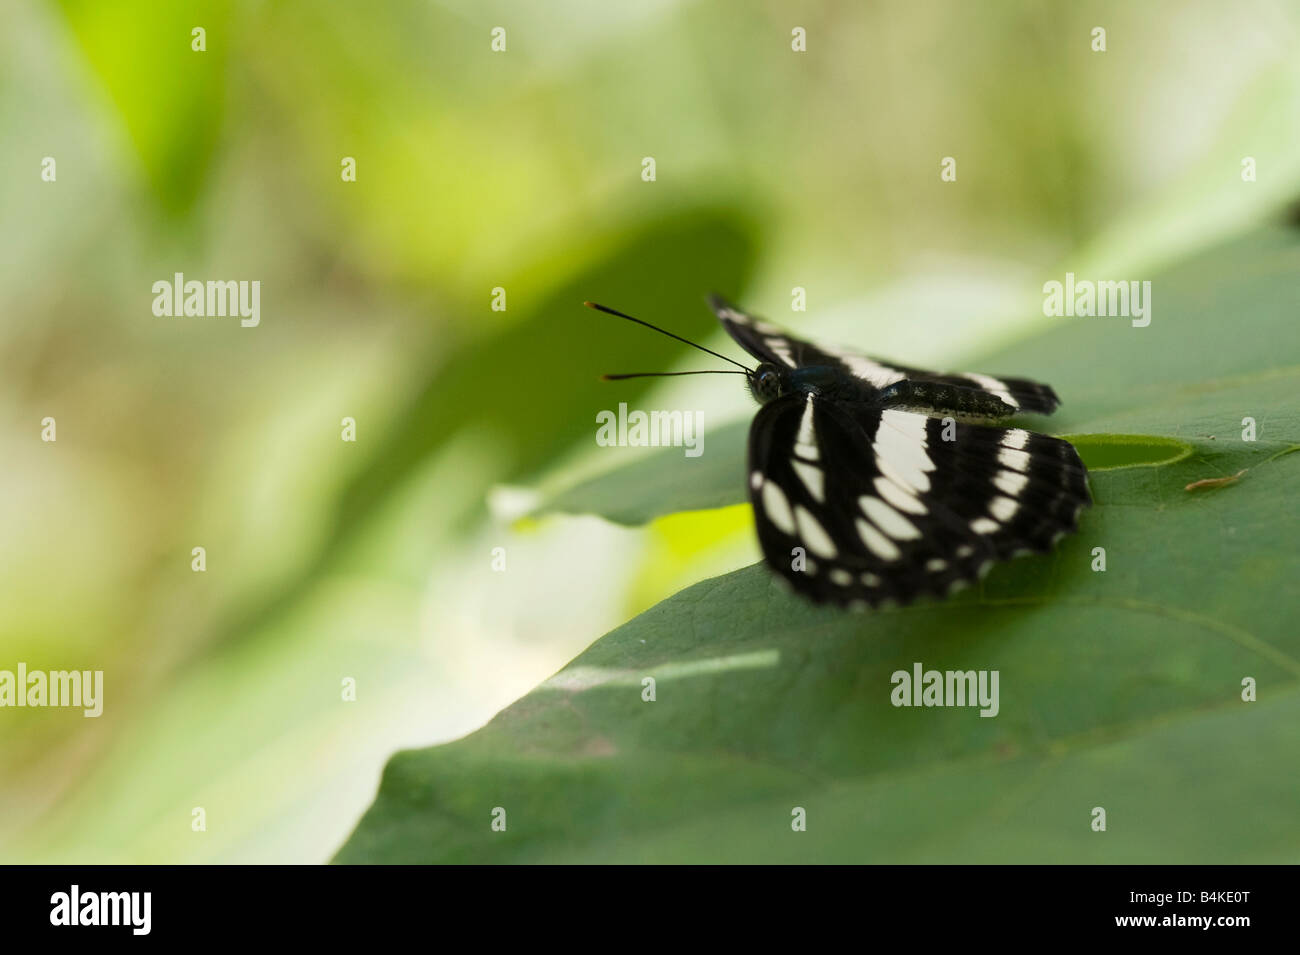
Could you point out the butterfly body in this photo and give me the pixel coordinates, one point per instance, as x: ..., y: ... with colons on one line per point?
x: 834, y: 384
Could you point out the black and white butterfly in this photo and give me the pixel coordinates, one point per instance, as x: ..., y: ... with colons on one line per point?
x: 873, y: 482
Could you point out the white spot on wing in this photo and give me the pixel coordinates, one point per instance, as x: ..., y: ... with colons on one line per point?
x: 894, y: 476
x: 1016, y: 439
x: 841, y: 577
x: 740, y: 318
x: 874, y: 372
x: 781, y: 349
x: 813, y: 479
x: 805, y: 443
x: 1010, y: 482
x: 994, y: 387
x: 898, y: 497
x: 813, y: 534
x: 934, y: 565
x: 756, y: 480
x: 900, y: 448
x: 887, y: 519
x: 983, y: 525
x: 1016, y: 460
x: 777, y: 508
x: 876, y: 542
x: 1003, y: 508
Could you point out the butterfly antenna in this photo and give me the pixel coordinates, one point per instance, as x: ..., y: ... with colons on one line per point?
x: 661, y: 331
x: 670, y: 374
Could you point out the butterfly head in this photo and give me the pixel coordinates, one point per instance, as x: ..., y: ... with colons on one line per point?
x: 767, y: 382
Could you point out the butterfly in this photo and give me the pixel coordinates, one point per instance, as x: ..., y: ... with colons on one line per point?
x: 875, y: 483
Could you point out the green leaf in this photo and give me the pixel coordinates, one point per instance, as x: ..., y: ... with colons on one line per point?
x: 662, y: 482
x: 1120, y: 689
x: 1102, y: 452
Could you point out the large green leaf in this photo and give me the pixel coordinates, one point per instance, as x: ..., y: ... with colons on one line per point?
x: 1120, y: 689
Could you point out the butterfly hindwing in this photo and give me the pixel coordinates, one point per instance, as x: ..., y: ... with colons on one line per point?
x: 859, y: 505
x: 809, y: 465
x: 1018, y: 490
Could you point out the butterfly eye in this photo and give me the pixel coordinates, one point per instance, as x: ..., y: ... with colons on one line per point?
x: 767, y: 383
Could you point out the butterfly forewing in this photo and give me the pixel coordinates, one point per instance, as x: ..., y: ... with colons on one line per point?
x: 769, y: 343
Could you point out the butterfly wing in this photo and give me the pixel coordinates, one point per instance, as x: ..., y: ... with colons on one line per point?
x: 892, y: 505
x: 768, y: 342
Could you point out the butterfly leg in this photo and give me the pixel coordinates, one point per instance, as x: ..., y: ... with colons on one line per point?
x: 939, y: 398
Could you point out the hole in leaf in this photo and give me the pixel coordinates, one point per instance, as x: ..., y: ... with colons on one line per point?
x: 1102, y: 452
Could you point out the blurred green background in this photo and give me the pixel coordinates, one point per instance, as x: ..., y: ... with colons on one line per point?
x: 476, y: 170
